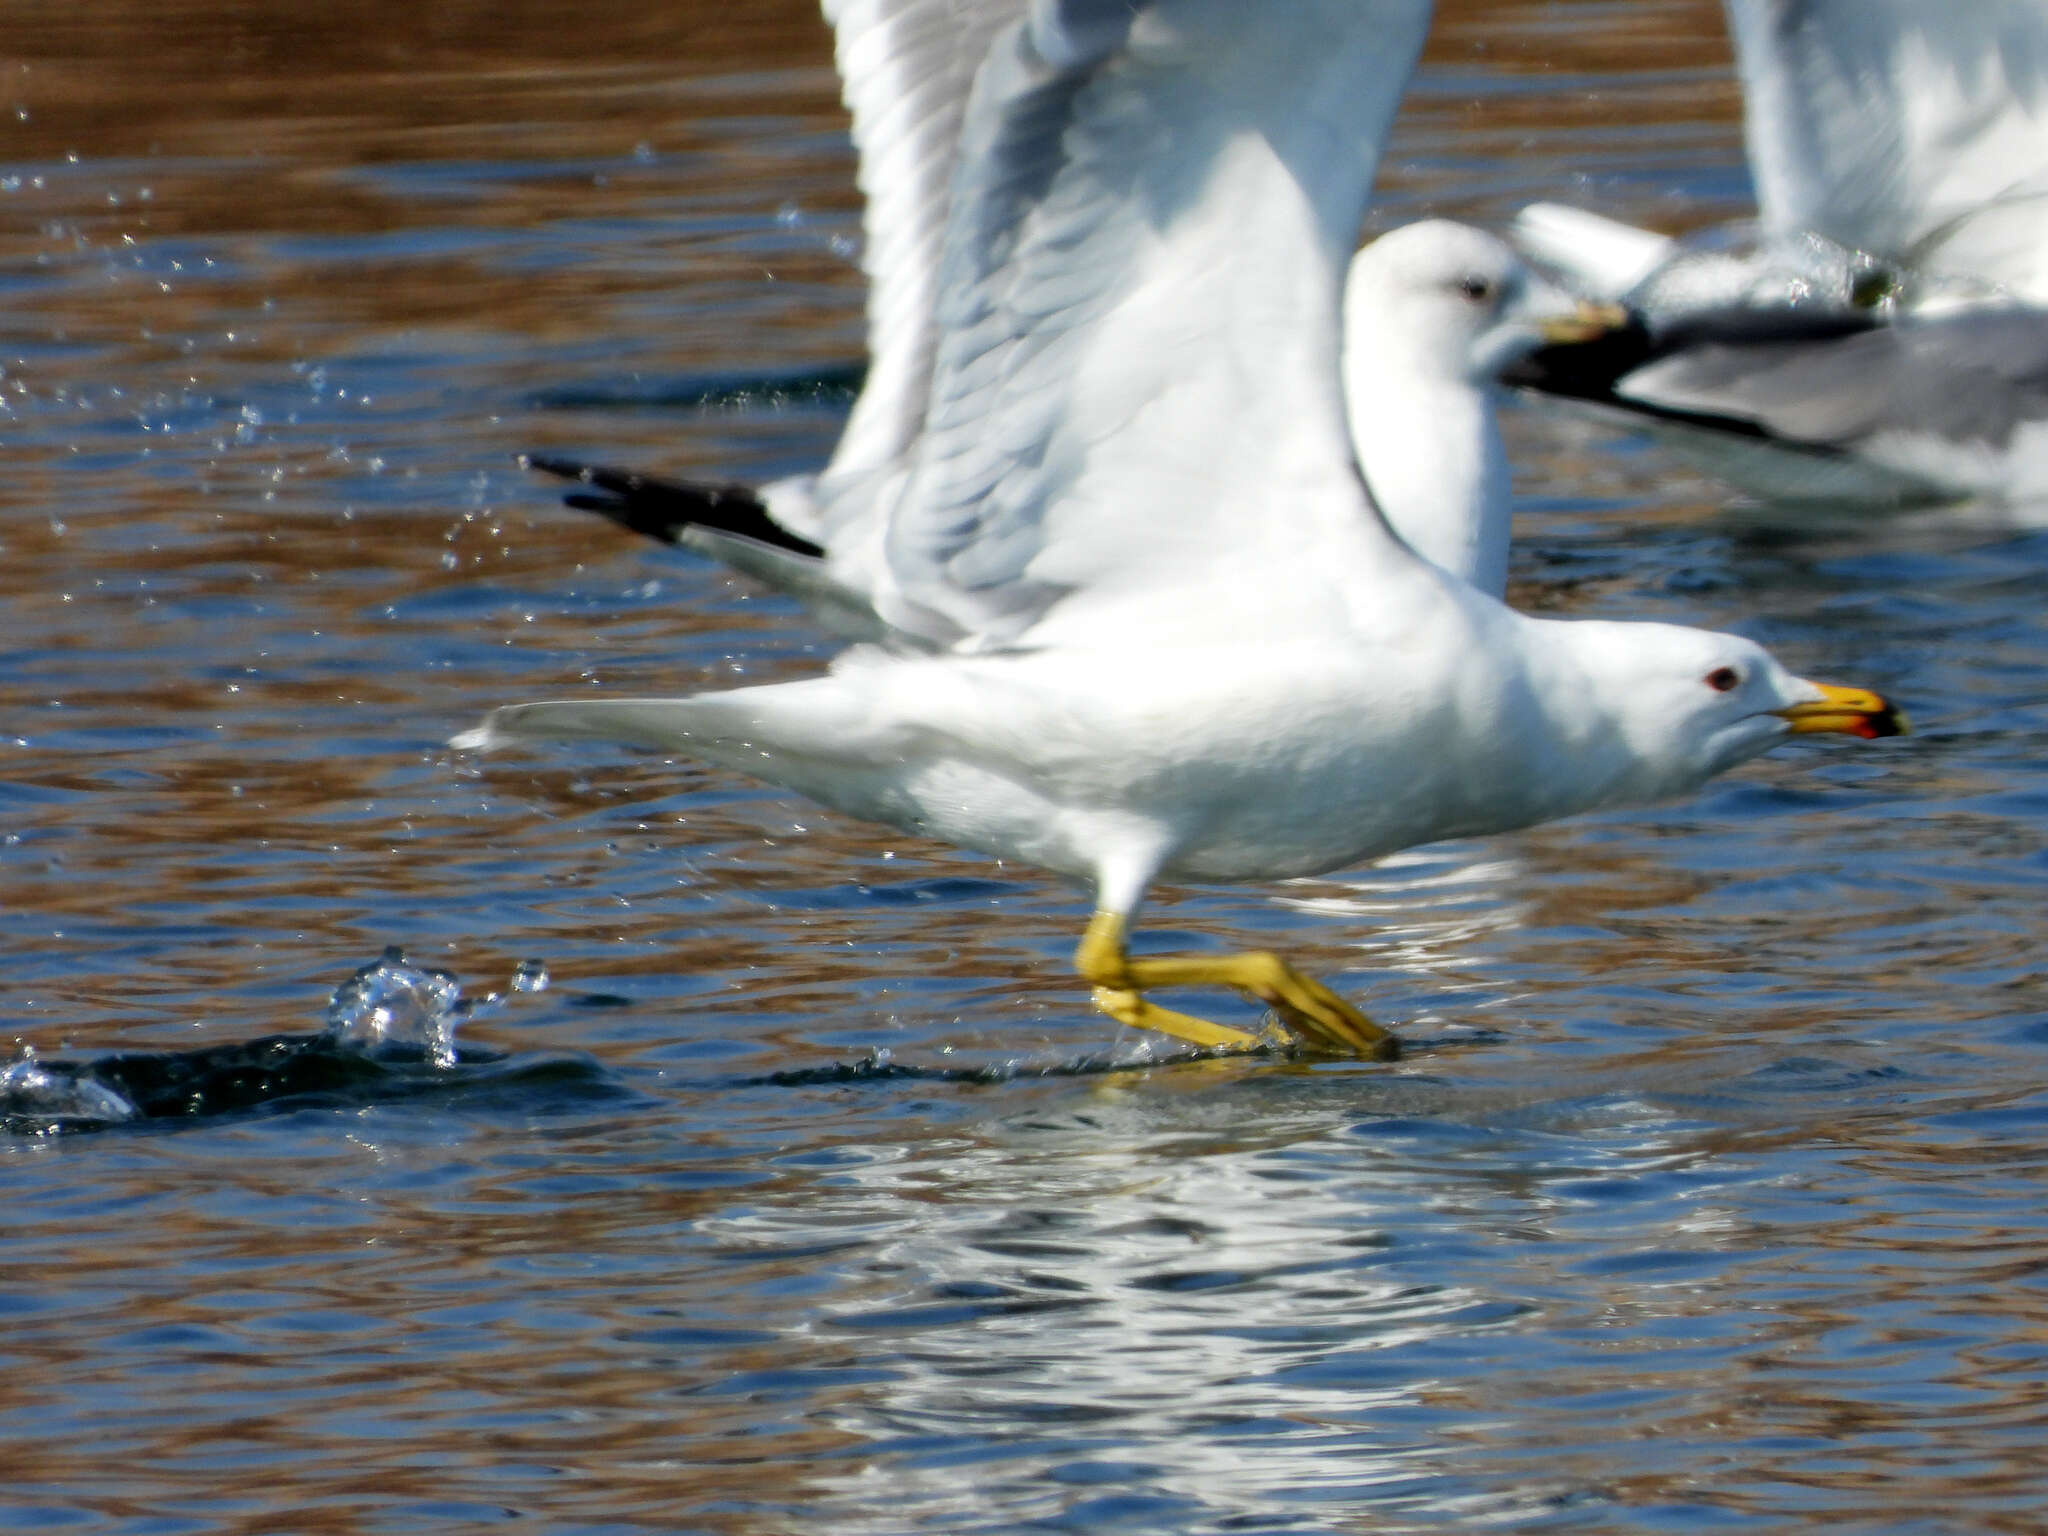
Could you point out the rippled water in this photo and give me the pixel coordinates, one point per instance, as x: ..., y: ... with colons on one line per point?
x: 1711, y: 1195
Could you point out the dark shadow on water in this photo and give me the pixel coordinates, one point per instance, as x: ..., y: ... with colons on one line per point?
x: 878, y: 1068
x: 390, y: 1037
x: 277, y: 1074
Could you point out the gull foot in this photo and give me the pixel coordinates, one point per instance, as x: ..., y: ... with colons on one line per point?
x: 1315, y: 1018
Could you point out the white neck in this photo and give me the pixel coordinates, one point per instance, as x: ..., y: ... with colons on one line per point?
x: 1432, y: 455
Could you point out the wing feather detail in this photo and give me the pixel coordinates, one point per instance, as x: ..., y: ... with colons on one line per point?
x: 906, y: 68
x: 1137, y: 306
x: 1915, y: 131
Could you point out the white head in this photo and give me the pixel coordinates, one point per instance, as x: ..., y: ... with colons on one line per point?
x: 1448, y: 301
x: 1664, y: 708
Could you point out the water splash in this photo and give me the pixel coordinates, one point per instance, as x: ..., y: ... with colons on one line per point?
x: 58, y: 1096
x: 388, y: 1032
x: 391, y: 1009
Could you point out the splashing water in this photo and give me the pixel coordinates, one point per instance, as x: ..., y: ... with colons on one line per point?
x: 54, y: 1096
x: 392, y: 1008
x: 389, y: 1029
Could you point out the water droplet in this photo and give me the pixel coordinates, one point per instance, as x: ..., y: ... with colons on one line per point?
x: 392, y: 1005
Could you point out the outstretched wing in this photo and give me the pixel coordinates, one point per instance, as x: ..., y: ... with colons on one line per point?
x: 1135, y: 389
x: 1913, y: 130
x: 905, y: 68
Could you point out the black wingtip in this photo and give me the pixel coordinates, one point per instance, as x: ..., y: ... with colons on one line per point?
x: 1584, y: 370
x: 663, y: 509
x: 1591, y: 369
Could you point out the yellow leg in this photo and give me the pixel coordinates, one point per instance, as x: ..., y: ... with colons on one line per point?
x: 1307, y: 1007
x: 1128, y: 1007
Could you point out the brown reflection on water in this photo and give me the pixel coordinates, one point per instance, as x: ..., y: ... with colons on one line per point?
x: 282, y: 100
x: 606, y: 1390
x: 1862, y: 1317
x: 131, y: 79
x: 259, y: 76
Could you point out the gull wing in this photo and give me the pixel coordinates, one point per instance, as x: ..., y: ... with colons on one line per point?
x: 1135, y: 390
x: 1913, y: 130
x: 905, y: 68
x: 1974, y: 376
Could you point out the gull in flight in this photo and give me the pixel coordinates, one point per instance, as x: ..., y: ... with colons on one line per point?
x: 1887, y: 339
x: 1138, y: 616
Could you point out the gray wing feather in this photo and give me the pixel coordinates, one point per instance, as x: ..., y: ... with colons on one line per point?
x: 1088, y: 257
x: 1973, y: 377
x: 992, y: 412
x: 906, y: 68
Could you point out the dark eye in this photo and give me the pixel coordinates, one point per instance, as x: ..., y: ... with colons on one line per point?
x: 1724, y: 679
x: 1477, y: 289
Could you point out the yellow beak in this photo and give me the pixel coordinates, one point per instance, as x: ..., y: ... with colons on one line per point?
x: 1852, y: 711
x: 1586, y: 322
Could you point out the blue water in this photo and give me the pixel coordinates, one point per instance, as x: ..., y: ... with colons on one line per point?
x: 809, y: 1195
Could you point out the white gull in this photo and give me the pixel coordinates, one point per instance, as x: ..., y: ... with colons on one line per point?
x: 1161, y: 629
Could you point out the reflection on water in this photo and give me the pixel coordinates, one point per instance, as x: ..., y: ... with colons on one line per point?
x: 1710, y: 1193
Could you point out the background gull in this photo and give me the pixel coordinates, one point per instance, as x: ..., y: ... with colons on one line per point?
x: 1883, y: 340
x: 1897, y: 132
x: 1165, y: 632
x: 1433, y: 313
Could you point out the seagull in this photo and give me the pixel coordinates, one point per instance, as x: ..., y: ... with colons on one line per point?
x: 1886, y: 339
x: 1163, y: 632
x: 1433, y: 313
